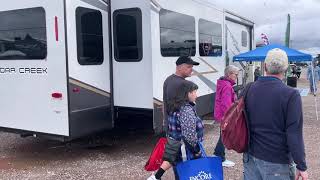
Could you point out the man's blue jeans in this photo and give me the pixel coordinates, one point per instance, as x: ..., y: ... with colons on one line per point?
x: 257, y: 169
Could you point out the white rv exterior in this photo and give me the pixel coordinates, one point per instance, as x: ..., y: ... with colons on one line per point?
x: 75, y: 67
x: 239, y: 34
x: 30, y: 78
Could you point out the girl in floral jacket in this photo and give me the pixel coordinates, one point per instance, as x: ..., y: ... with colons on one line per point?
x: 184, y: 125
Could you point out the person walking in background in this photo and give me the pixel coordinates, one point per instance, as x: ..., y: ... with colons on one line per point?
x: 275, y: 123
x: 299, y: 70
x: 183, y: 125
x: 225, y: 96
x: 257, y: 73
x: 294, y: 69
x: 317, y: 63
x: 313, y: 77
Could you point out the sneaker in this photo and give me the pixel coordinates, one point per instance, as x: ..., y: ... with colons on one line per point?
x: 152, y: 177
x: 228, y: 163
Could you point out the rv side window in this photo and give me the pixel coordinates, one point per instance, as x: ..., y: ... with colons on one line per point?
x: 23, y: 34
x: 244, y: 38
x: 89, y: 36
x: 177, y: 34
x: 127, y: 30
x: 210, y: 38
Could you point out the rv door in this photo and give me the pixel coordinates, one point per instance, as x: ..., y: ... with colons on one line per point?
x: 33, y: 67
x: 238, y: 40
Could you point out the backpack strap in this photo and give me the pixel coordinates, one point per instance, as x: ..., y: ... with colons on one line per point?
x: 244, y: 93
x: 183, y: 152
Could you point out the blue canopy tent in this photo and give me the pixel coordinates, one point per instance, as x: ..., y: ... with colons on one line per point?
x: 260, y: 53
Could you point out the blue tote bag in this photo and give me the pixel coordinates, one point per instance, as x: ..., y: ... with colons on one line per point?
x: 205, y: 168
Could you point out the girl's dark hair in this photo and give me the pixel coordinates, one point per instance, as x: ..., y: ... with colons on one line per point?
x: 181, y: 97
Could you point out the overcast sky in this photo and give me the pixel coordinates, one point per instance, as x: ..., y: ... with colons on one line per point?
x: 270, y: 17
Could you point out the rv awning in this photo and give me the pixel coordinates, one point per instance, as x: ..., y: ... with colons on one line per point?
x: 260, y: 53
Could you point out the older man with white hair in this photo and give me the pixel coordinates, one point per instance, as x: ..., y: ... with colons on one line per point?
x: 275, y: 121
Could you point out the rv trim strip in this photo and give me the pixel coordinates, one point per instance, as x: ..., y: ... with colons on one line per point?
x: 205, y: 80
x: 97, y: 4
x: 249, y: 22
x: 208, y: 4
x: 111, y: 62
x: 157, y: 102
x: 202, y: 73
x: 238, y: 22
x: 67, y: 63
x: 26, y: 133
x: 56, y: 29
x: 214, y: 69
x: 86, y: 109
x: 88, y: 87
x: 156, y: 4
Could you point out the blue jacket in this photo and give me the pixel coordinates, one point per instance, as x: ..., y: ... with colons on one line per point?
x: 275, y: 122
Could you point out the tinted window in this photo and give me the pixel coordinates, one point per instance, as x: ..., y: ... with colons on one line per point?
x: 23, y: 34
x: 128, y: 35
x: 210, y: 38
x: 177, y: 34
x: 89, y: 36
x: 244, y: 38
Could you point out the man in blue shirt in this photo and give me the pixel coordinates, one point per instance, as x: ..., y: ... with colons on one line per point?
x: 275, y: 122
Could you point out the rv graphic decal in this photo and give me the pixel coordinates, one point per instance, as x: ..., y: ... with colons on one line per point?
x: 88, y: 87
x: 23, y: 70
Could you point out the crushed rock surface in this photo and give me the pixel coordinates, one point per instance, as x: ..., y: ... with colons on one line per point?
x: 39, y: 159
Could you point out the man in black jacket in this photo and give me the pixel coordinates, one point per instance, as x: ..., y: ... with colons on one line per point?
x: 276, y: 125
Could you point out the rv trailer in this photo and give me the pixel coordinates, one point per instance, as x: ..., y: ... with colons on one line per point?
x: 71, y: 68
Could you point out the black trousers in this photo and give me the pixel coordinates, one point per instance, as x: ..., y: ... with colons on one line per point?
x: 220, y: 149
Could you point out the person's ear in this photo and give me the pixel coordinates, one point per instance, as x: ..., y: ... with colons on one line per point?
x: 265, y: 68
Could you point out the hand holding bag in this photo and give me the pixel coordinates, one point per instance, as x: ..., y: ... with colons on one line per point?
x: 204, y: 168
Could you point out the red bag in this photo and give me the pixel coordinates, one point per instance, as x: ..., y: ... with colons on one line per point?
x: 234, y: 130
x: 155, y: 159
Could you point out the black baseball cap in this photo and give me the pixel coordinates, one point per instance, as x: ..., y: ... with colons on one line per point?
x: 186, y: 60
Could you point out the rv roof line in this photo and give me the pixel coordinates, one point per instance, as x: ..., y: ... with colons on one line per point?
x: 241, y: 17
x: 98, y: 4
x: 209, y: 4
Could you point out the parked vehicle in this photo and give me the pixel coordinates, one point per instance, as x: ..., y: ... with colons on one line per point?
x: 71, y: 68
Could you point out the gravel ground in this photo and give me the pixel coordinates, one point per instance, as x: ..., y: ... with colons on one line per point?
x: 31, y: 158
